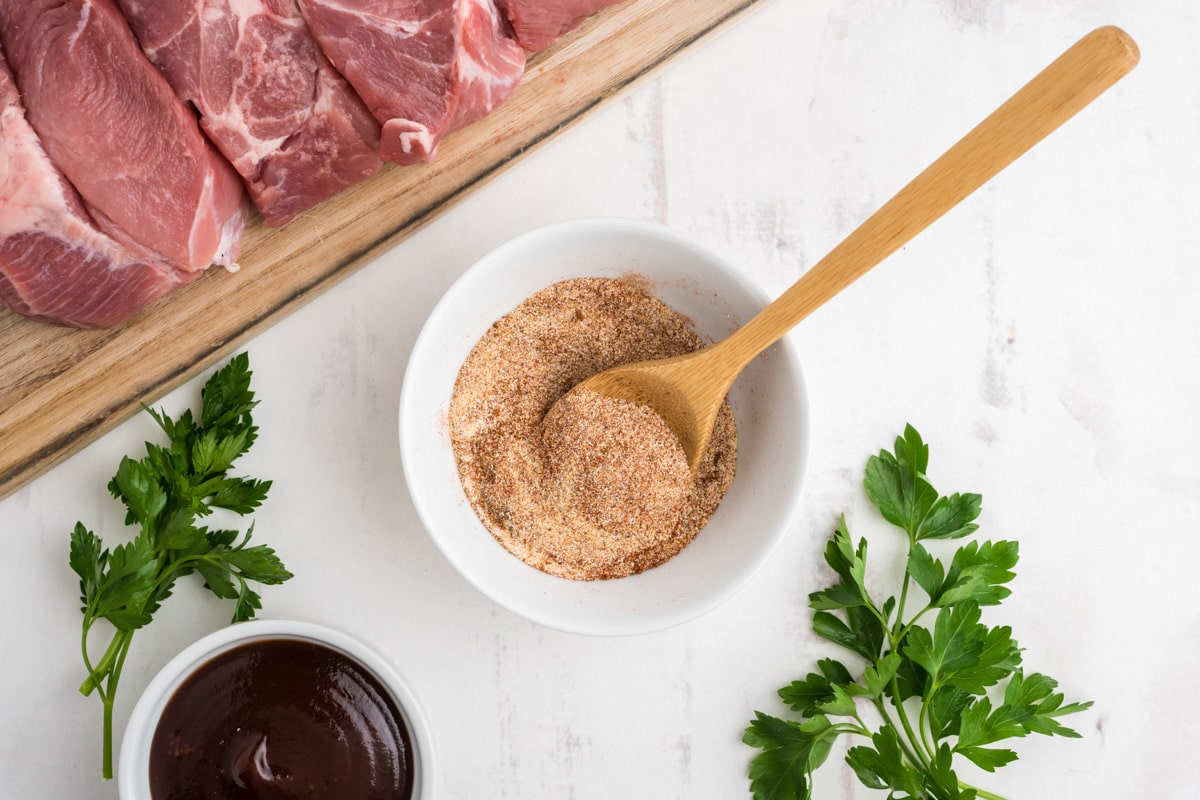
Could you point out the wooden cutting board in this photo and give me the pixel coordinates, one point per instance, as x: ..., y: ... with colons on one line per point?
x: 60, y: 389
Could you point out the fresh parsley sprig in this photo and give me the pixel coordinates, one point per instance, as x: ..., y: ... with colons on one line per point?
x: 932, y: 676
x: 165, y: 494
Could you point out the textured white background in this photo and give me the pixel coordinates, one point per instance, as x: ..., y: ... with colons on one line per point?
x: 1041, y: 337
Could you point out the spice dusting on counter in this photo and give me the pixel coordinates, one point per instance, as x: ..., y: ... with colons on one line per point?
x: 597, y: 488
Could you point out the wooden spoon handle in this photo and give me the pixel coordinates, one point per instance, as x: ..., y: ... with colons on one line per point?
x: 1073, y: 80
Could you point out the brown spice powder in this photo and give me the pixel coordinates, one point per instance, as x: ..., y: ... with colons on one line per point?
x: 599, y: 488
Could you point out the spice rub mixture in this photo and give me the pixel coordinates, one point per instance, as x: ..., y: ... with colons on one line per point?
x: 589, y: 487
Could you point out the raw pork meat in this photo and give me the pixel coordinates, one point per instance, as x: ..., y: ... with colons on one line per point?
x: 267, y: 97
x: 540, y: 23
x: 120, y: 135
x: 54, y: 264
x: 424, y: 67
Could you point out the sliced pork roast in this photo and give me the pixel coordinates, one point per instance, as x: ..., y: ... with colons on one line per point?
x: 424, y: 67
x: 540, y: 23
x: 113, y: 126
x: 55, y: 265
x: 266, y: 95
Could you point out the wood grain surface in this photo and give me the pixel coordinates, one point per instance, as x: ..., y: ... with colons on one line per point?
x: 61, y: 388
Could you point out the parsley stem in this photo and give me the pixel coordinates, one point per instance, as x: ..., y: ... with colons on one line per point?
x: 904, y: 631
x: 851, y: 728
x: 984, y: 793
x: 94, y: 674
x: 917, y: 743
x: 103, y: 666
x: 903, y: 597
x: 113, y: 677
x: 120, y: 638
x: 908, y: 752
x: 106, y: 765
x: 926, y: 727
x: 95, y: 679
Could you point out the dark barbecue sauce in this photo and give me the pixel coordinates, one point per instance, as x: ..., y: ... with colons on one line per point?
x: 281, y: 719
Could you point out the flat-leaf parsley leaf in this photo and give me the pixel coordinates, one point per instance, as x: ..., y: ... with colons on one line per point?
x: 934, y: 685
x: 165, y: 494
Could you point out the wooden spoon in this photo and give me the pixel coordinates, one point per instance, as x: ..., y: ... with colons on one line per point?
x: 688, y: 390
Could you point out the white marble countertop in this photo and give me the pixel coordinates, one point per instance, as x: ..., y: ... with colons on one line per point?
x: 1040, y: 336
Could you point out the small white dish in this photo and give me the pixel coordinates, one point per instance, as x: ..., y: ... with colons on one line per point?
x: 769, y: 402
x: 133, y: 770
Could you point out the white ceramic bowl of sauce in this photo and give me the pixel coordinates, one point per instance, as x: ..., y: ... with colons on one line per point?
x: 769, y: 402
x: 134, y: 766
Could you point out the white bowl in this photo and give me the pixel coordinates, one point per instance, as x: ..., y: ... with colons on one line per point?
x: 133, y: 771
x: 769, y: 403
